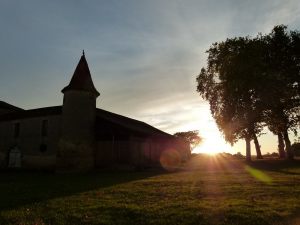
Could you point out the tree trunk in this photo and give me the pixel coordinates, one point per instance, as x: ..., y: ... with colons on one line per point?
x: 257, y: 147
x: 281, y: 146
x: 288, y: 149
x: 248, y: 148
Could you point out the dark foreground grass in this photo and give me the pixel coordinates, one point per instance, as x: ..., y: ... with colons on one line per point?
x: 206, y: 191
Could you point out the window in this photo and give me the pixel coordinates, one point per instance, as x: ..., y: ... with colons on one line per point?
x: 44, y: 128
x: 16, y: 130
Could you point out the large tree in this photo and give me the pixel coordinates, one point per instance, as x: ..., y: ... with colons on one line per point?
x: 228, y: 83
x: 281, y: 90
x: 250, y: 82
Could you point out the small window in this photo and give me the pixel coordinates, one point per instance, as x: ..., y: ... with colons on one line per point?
x: 43, y: 147
x: 16, y: 130
x: 44, y: 128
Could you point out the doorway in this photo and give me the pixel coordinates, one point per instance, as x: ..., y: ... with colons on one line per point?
x: 14, y: 157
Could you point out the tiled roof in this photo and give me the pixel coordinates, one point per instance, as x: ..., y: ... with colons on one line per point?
x: 5, y: 105
x: 23, y: 114
x: 130, y: 124
x: 114, y: 123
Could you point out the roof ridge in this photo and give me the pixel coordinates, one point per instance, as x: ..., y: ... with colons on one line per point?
x: 126, y: 117
x: 51, y: 110
x: 55, y: 106
x: 3, y: 103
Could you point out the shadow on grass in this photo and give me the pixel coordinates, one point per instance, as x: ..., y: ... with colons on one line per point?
x: 277, y: 165
x: 21, y: 188
x: 221, y: 163
x: 215, y: 163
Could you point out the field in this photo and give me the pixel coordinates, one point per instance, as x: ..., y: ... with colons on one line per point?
x: 208, y: 190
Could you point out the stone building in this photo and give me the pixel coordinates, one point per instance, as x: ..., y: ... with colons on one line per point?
x: 78, y: 136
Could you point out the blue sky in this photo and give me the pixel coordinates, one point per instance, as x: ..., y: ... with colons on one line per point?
x: 144, y: 56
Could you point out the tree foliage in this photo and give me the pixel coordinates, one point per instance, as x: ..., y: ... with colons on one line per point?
x: 253, y: 82
x: 228, y: 84
x: 280, y: 76
x: 192, y: 137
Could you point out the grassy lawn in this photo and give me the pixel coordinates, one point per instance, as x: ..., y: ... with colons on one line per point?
x: 207, y: 191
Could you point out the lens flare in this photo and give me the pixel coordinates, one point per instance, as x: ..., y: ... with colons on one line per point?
x: 259, y: 175
x: 170, y: 159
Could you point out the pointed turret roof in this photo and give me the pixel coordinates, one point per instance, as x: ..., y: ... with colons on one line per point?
x: 81, y: 79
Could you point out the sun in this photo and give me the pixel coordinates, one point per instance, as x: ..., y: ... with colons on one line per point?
x: 212, y: 144
x: 200, y: 119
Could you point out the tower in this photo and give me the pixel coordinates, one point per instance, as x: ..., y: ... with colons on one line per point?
x: 77, y: 144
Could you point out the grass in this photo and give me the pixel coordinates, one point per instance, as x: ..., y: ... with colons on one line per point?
x: 211, y: 190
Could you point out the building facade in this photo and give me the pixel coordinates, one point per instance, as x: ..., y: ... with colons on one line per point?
x: 78, y: 136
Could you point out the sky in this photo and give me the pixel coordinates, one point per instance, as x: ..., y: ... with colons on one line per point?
x: 144, y: 56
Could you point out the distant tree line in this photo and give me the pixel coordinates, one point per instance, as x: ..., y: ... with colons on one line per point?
x: 252, y: 83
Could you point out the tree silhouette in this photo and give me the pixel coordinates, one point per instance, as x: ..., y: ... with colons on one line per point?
x: 252, y: 82
x: 228, y: 83
x: 280, y: 92
x: 192, y: 137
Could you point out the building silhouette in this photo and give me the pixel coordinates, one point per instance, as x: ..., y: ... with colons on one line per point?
x: 78, y: 136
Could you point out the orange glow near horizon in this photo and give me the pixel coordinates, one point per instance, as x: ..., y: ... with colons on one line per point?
x: 213, y: 144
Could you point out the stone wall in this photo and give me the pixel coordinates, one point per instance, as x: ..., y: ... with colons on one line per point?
x: 79, y: 116
x: 135, y: 151
x: 109, y: 153
x: 77, y: 145
x: 4, y: 111
x: 37, y: 151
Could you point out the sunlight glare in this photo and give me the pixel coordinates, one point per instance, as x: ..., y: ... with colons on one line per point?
x: 212, y: 145
x: 197, y: 116
x: 213, y: 142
